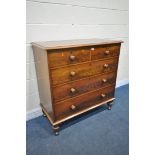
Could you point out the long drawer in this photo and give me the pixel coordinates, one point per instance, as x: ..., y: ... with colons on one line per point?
x: 76, y: 72
x: 70, y: 56
x: 71, y: 106
x: 82, y: 86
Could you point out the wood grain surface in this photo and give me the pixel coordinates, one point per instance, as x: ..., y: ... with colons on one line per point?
x: 48, y: 45
x: 65, y: 108
x: 63, y: 74
x: 62, y: 57
x: 82, y: 86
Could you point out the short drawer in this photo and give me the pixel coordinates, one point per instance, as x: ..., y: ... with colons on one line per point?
x: 82, y: 86
x: 76, y: 72
x: 62, y: 57
x: 71, y: 106
x: 104, y: 52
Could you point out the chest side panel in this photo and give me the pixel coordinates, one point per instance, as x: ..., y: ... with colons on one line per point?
x: 42, y: 71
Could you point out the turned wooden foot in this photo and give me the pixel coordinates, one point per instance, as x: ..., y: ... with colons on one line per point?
x: 43, y: 113
x: 109, y: 105
x: 56, y: 130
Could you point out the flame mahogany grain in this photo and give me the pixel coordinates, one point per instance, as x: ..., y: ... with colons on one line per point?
x: 75, y: 76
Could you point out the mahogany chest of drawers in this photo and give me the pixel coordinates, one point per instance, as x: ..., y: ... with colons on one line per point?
x: 75, y: 76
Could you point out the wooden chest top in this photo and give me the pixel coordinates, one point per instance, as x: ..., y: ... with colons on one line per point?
x: 48, y: 45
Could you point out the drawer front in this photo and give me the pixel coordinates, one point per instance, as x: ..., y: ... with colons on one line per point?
x: 71, y: 106
x: 82, y: 86
x: 105, y: 52
x: 76, y: 72
x: 62, y: 57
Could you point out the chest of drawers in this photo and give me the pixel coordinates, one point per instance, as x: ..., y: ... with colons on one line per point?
x: 75, y: 76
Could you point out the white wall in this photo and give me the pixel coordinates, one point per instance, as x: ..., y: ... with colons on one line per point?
x: 70, y: 19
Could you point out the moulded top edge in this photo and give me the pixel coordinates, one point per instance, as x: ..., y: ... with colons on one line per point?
x: 73, y: 43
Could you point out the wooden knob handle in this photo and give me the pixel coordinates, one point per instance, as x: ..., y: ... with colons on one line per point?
x: 73, y: 107
x: 92, y: 49
x: 73, y: 90
x: 72, y: 73
x: 104, y: 80
x: 103, y: 95
x: 107, y: 52
x: 106, y: 65
x: 72, y: 57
